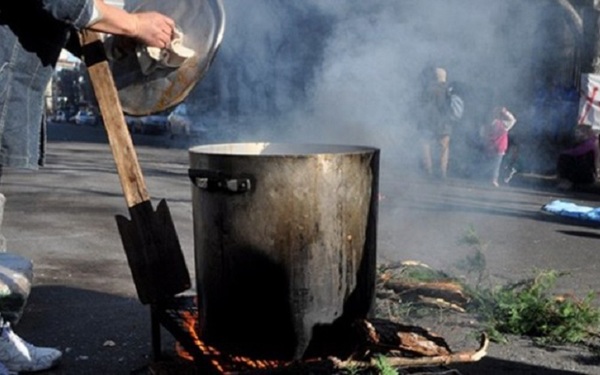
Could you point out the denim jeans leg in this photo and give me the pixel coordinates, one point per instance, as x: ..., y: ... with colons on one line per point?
x: 496, y: 164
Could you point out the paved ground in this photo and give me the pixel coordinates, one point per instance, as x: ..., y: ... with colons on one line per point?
x: 84, y: 302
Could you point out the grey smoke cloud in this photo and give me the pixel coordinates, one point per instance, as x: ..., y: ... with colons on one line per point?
x: 346, y: 71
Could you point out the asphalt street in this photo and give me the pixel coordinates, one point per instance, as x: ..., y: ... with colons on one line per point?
x: 84, y: 302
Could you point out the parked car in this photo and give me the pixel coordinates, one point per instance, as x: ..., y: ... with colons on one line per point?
x: 151, y: 124
x: 179, y: 121
x: 134, y: 123
x: 84, y: 117
x: 59, y: 116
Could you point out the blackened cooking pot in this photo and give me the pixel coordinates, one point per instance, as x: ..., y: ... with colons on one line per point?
x: 285, y: 242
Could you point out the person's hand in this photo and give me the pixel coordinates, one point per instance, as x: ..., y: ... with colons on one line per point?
x: 153, y: 28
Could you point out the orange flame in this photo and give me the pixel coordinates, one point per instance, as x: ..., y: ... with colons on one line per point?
x: 220, y: 361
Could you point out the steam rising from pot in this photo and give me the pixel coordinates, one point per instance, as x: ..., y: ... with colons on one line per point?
x: 346, y: 72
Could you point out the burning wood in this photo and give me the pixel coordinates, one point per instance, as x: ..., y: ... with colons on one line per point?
x: 365, y: 341
x: 402, y: 346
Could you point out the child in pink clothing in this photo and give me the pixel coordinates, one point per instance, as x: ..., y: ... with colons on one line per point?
x: 496, y: 138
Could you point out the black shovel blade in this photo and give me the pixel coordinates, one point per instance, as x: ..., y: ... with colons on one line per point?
x: 153, y: 252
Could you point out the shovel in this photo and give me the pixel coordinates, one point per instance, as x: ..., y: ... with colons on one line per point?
x: 150, y: 240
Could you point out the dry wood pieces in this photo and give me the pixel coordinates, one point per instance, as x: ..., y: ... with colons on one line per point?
x: 400, y: 281
x: 407, y: 346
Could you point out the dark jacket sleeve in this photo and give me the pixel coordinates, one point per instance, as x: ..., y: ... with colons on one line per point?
x: 76, y: 13
x: 41, y: 27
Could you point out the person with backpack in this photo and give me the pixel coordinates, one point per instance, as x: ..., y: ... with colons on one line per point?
x: 441, y: 108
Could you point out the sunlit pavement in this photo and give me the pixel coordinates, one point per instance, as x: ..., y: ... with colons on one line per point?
x: 84, y: 302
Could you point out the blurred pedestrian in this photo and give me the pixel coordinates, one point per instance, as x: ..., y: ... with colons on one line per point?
x: 495, y: 136
x: 577, y: 164
x: 440, y: 109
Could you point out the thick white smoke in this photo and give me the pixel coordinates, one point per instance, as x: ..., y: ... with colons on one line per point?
x: 346, y: 71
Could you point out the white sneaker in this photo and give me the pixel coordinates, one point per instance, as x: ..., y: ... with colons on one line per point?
x: 4, y: 371
x: 512, y: 173
x: 17, y: 354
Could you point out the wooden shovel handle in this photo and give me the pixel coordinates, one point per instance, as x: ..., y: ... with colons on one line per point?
x: 128, y: 168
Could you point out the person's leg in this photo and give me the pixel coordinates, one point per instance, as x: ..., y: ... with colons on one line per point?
x: 583, y: 170
x: 564, y: 167
x: 511, y: 165
x: 444, y: 142
x: 18, y: 355
x: 496, y: 164
x: 426, y: 156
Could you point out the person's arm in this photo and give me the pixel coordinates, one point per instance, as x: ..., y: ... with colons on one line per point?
x: 508, y: 119
x: 151, y: 28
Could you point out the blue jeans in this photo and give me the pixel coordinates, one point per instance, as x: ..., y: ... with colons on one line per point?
x: 32, y: 34
x: 496, y: 163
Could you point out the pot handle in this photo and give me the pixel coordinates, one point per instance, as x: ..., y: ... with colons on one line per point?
x: 218, y: 181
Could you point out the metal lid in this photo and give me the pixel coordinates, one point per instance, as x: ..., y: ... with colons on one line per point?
x: 202, y: 23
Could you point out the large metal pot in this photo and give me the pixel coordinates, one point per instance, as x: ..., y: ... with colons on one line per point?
x: 285, y: 242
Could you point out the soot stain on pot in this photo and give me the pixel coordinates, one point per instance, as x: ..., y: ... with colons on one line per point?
x: 255, y: 302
